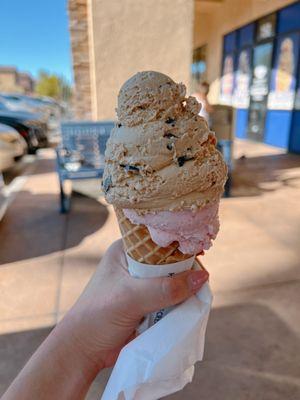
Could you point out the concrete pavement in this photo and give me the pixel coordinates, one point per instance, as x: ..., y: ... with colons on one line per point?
x: 253, y: 337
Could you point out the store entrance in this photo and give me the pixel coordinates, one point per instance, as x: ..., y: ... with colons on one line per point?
x: 262, y: 63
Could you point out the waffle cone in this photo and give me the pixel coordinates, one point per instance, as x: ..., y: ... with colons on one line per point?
x: 139, y: 245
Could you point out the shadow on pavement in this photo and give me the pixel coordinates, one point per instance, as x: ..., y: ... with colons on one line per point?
x: 33, y: 226
x: 256, y: 175
x: 45, y: 166
x: 251, y: 354
x: 15, y: 350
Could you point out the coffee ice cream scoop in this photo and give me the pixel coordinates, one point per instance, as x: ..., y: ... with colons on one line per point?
x: 161, y: 155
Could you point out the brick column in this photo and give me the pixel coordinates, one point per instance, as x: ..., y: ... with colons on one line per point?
x: 78, y: 24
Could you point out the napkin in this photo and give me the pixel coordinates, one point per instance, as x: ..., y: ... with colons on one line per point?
x: 160, y: 361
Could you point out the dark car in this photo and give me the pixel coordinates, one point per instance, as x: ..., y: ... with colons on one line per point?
x: 33, y: 130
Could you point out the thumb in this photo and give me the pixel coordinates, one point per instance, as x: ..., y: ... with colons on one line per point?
x: 156, y: 293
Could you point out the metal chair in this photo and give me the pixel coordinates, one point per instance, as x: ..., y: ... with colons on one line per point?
x: 225, y: 147
x: 222, y: 125
x: 81, y: 154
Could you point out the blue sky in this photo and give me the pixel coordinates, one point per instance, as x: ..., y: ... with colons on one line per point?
x: 34, y: 35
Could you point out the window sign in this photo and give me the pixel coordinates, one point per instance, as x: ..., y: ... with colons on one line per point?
x: 283, y: 80
x: 227, y: 80
x: 261, y: 67
x: 241, y: 95
x: 265, y: 30
x: 266, y: 27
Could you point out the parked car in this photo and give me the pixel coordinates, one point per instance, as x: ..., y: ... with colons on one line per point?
x: 53, y: 108
x: 12, y: 147
x: 29, y: 126
x: 50, y: 110
x: 19, y: 102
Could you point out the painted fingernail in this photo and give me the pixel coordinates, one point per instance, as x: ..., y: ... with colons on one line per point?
x: 197, y: 279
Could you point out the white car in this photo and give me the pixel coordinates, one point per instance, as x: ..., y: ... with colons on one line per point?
x: 12, y: 147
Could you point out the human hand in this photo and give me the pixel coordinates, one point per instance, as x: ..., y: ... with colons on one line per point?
x: 113, y: 304
x: 94, y: 331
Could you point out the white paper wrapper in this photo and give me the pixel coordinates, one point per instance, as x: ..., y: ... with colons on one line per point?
x: 139, y: 270
x: 160, y: 361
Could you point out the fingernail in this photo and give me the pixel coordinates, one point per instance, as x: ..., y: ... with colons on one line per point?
x: 197, y: 278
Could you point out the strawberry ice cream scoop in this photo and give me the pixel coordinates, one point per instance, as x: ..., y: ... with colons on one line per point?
x: 194, y: 231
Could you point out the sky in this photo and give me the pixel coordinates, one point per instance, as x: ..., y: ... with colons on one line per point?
x: 34, y: 35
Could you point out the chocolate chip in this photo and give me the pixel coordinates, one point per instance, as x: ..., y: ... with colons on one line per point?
x: 119, y: 125
x: 181, y: 160
x: 170, y: 121
x: 130, y: 168
x: 106, y: 184
x: 170, y: 135
x: 170, y: 146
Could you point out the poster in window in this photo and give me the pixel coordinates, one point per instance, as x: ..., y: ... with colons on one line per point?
x: 241, y: 95
x: 227, y: 80
x: 283, y: 80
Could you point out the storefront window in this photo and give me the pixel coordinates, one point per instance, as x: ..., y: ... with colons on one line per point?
x: 297, y: 95
x: 245, y: 36
x: 260, y: 77
x: 283, y: 81
x: 289, y: 19
x: 227, y: 80
x: 228, y: 68
x: 198, y: 67
x: 241, y: 94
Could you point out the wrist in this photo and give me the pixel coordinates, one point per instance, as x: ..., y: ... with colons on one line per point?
x: 57, y: 370
x: 73, y: 358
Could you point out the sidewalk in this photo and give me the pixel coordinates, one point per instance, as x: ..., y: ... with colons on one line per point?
x: 253, y: 337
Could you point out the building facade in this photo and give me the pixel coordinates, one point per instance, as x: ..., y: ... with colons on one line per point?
x: 12, y: 81
x: 252, y: 62
x: 112, y: 40
x: 247, y: 50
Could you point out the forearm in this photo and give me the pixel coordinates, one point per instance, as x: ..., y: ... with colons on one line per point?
x: 56, y: 371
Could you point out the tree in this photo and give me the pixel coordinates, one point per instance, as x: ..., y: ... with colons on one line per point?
x: 53, y: 85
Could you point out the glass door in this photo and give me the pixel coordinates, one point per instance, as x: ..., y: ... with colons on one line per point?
x: 262, y: 63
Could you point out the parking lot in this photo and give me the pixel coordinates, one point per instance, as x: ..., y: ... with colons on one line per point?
x: 253, y: 333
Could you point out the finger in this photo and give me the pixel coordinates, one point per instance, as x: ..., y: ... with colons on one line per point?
x: 157, y: 293
x: 115, y: 255
x: 115, y: 250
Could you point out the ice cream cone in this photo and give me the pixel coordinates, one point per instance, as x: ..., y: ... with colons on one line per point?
x: 163, y: 173
x: 139, y: 245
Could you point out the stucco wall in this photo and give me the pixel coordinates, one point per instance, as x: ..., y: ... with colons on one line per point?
x: 217, y: 20
x: 134, y: 35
